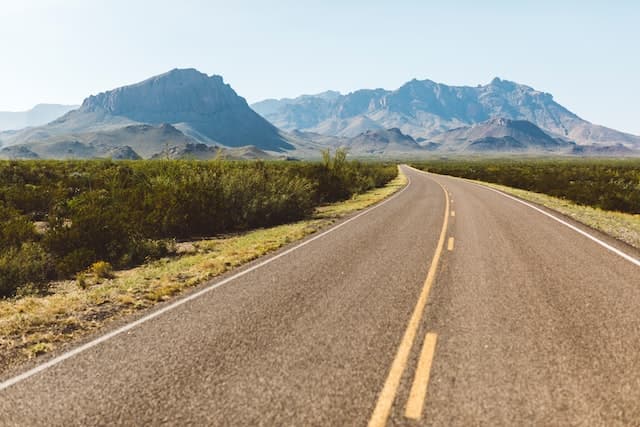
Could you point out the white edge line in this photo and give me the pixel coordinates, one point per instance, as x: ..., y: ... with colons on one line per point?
x: 571, y: 226
x: 605, y: 245
x: 56, y: 360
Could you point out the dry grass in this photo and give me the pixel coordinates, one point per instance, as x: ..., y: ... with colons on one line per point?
x: 622, y: 226
x: 34, y: 325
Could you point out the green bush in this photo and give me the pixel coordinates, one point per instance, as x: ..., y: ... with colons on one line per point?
x: 142, y: 250
x: 70, y: 263
x: 15, y: 228
x: 607, y: 184
x: 124, y: 213
x: 30, y: 265
x: 102, y: 270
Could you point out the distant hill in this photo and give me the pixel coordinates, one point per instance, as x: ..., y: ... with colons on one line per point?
x: 174, y: 109
x: 500, y: 135
x: 142, y: 139
x: 373, y: 143
x: 424, y: 109
x: 39, y: 115
x: 383, y: 142
x: 615, y: 150
x: 492, y: 137
x: 208, y: 152
x: 64, y: 150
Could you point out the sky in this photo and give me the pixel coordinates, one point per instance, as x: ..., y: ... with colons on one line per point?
x: 586, y: 53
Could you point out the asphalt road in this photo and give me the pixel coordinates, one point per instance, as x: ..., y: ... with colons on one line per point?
x: 527, y: 322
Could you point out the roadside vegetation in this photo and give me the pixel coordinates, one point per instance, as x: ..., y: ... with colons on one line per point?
x: 623, y: 226
x: 603, y: 194
x: 59, y: 218
x: 34, y: 324
x: 612, y: 185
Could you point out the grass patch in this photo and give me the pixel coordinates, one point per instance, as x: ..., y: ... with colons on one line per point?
x: 622, y: 226
x: 34, y: 325
x: 37, y: 349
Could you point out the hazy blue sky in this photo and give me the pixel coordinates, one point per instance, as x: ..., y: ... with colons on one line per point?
x: 585, y: 53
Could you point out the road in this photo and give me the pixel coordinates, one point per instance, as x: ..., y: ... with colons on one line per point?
x: 524, y: 322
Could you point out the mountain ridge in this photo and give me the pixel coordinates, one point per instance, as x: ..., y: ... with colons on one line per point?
x: 201, y: 108
x: 424, y: 108
x: 39, y: 115
x: 186, y: 113
x: 501, y: 135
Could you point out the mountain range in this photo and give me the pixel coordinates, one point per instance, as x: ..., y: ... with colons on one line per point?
x: 174, y: 109
x: 187, y: 114
x: 372, y: 143
x: 501, y: 134
x: 39, y: 115
x: 424, y: 109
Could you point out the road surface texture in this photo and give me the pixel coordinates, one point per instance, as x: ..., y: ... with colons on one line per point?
x: 527, y: 322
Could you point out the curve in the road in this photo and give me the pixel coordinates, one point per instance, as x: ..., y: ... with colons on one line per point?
x: 605, y: 245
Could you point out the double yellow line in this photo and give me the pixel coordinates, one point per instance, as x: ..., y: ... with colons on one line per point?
x: 418, y: 391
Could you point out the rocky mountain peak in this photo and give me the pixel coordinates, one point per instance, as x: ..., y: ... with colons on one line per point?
x: 506, y: 86
x: 510, y: 125
x: 499, y: 121
x: 181, y: 104
x: 172, y: 97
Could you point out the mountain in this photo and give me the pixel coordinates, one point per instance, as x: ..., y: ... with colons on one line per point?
x: 208, y: 152
x: 145, y: 140
x: 187, y: 114
x: 175, y: 108
x: 377, y: 143
x: 615, y: 150
x: 39, y: 115
x: 383, y: 143
x: 68, y: 150
x: 500, y: 135
x: 424, y: 109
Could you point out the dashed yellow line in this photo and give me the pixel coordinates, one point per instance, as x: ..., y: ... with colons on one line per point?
x: 418, y: 392
x: 453, y: 213
x: 387, y: 396
x: 450, y: 244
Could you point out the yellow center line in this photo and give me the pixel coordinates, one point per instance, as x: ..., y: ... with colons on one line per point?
x: 450, y: 244
x: 418, y: 391
x: 453, y: 213
x: 387, y: 396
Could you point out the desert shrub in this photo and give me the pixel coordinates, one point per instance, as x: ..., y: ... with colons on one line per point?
x: 102, y: 270
x: 142, y: 250
x: 92, y: 226
x: 29, y: 265
x: 81, y: 280
x: 15, y: 228
x: 338, y: 179
x: 607, y: 184
x: 67, y: 264
x: 125, y: 213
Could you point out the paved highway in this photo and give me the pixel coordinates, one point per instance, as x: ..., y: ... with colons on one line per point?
x: 437, y: 307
